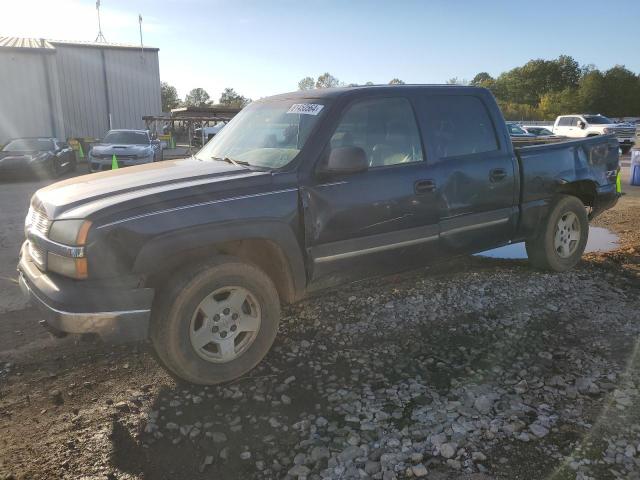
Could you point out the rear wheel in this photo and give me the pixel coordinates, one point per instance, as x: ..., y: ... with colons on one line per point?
x: 214, y: 323
x: 563, y: 236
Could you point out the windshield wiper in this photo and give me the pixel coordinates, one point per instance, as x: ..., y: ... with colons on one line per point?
x: 237, y: 163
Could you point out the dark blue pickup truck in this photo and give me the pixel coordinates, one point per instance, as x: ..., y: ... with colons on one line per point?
x: 298, y: 189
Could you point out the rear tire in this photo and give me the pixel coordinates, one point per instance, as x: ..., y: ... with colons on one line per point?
x: 204, y: 335
x: 563, y: 236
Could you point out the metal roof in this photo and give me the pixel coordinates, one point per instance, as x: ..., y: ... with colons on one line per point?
x: 28, y: 43
x: 43, y: 44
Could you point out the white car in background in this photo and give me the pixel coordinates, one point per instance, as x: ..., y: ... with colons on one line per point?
x: 585, y: 125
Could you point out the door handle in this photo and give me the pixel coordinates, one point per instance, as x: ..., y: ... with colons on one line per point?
x: 424, y: 186
x: 497, y: 174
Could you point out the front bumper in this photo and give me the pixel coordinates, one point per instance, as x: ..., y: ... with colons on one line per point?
x: 103, y: 164
x: 72, y: 306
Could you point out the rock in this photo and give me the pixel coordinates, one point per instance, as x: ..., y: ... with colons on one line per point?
x: 208, y: 460
x: 478, y: 457
x: 350, y: 453
x: 300, y: 459
x: 285, y: 399
x: 318, y: 453
x: 483, y: 404
x: 447, y: 450
x: 455, y: 464
x: 299, y: 471
x: 245, y: 455
x: 122, y: 406
x: 538, y: 430
x: 224, y: 453
x: 218, y: 437
x: 521, y: 387
x: 371, y: 467
x: 419, y: 470
x: 56, y: 397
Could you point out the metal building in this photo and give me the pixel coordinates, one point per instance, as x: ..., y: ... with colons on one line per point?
x: 75, y: 89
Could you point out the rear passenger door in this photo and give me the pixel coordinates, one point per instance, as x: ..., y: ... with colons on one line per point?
x: 567, y: 126
x: 474, y: 171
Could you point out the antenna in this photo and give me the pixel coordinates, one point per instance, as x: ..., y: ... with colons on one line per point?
x: 100, y: 37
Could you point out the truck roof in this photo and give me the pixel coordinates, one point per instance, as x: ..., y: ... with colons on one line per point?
x: 344, y: 91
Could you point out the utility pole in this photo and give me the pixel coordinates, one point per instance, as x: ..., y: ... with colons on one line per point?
x: 100, y: 37
x: 141, y: 45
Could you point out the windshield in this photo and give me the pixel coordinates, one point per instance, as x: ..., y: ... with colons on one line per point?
x: 597, y: 120
x: 29, y: 145
x: 265, y: 134
x: 127, y: 138
x: 515, y: 130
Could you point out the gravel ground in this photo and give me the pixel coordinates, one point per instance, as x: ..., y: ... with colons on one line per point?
x: 479, y: 369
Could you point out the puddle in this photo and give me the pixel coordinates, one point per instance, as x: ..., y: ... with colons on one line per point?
x: 600, y: 240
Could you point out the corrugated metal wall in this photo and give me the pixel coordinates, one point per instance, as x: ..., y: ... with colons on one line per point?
x: 82, y: 91
x: 79, y: 94
x: 133, y: 88
x: 24, y: 104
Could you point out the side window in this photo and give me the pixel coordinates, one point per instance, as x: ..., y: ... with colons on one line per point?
x: 564, y: 122
x: 459, y: 125
x: 384, y: 128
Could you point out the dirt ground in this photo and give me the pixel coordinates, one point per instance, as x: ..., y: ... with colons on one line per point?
x: 477, y: 369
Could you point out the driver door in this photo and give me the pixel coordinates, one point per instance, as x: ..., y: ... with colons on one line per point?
x: 386, y: 214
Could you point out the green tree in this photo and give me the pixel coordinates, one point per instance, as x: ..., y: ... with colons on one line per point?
x: 307, y: 83
x: 623, y: 92
x: 169, y: 96
x: 396, y: 81
x: 326, y: 80
x: 231, y: 98
x: 198, y: 97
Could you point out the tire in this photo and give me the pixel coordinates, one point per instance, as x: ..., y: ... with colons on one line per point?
x: 73, y: 164
x: 553, y: 248
x: 54, y: 169
x: 179, y: 321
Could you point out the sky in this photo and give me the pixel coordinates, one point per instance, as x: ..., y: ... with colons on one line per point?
x: 262, y: 48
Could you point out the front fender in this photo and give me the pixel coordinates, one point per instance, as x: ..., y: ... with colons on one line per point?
x: 168, y: 250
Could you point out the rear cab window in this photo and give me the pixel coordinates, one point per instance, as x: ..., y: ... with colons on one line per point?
x: 458, y: 125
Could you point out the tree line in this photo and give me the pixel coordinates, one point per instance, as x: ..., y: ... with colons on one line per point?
x: 543, y: 89
x: 326, y: 80
x: 198, y: 97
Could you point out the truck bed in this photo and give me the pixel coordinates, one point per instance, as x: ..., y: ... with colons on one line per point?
x: 585, y: 167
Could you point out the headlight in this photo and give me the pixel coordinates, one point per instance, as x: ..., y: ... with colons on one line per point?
x: 39, y: 157
x: 607, y: 130
x: 72, y: 233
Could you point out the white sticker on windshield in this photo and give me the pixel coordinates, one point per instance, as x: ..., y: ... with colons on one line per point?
x: 306, y: 108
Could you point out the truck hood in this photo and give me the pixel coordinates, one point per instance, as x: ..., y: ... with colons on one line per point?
x: 80, y: 196
x: 107, y: 150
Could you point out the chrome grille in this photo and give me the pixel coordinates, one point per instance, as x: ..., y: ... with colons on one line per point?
x: 625, y: 132
x: 38, y: 222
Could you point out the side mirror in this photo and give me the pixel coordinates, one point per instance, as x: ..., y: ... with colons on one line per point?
x: 344, y: 160
x: 581, y: 124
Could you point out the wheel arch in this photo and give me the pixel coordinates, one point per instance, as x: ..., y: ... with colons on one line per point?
x: 271, y: 246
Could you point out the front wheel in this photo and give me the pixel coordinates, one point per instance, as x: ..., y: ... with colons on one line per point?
x: 215, y: 322
x: 563, y: 236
